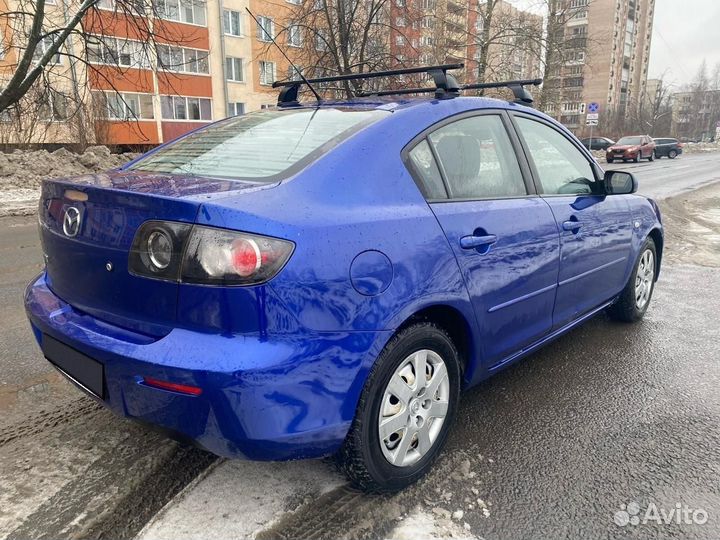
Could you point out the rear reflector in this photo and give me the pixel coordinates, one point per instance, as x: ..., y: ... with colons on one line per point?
x: 173, y: 387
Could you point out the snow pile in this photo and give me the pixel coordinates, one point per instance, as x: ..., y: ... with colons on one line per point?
x: 22, y: 172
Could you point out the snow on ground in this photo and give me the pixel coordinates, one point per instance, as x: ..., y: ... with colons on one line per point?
x: 22, y: 172
x: 421, y: 525
x: 238, y: 498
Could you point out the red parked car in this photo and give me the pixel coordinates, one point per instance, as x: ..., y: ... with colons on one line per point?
x: 635, y: 148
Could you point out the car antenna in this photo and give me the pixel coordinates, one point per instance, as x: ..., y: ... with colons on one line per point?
x: 272, y: 39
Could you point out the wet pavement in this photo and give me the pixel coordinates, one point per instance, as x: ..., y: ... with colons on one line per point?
x: 608, y: 415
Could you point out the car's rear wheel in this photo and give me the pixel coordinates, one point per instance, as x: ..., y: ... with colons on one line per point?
x: 405, y: 411
x: 672, y: 154
x: 634, y: 300
x: 652, y: 156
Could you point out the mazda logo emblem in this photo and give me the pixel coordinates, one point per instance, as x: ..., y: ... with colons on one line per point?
x: 71, y: 222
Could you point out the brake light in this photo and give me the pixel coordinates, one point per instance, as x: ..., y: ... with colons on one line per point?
x: 200, y: 254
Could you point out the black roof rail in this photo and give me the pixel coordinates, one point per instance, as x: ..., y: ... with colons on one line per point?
x: 445, y: 85
x: 517, y: 87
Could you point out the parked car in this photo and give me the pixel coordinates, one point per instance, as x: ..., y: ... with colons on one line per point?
x: 671, y: 148
x: 324, y: 279
x: 633, y: 148
x: 597, y: 143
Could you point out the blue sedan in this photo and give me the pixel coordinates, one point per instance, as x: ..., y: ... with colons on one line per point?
x: 324, y: 279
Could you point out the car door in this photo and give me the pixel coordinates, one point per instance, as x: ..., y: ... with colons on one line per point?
x: 595, y: 229
x: 503, y: 235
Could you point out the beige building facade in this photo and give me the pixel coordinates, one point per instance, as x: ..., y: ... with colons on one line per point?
x: 611, y: 68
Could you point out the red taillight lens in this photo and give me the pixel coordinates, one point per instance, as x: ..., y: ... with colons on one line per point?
x: 218, y: 256
x: 173, y: 387
x: 246, y: 256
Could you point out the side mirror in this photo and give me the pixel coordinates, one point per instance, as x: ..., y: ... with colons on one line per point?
x: 619, y: 183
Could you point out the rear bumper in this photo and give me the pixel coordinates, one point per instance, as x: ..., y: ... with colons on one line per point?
x: 263, y: 397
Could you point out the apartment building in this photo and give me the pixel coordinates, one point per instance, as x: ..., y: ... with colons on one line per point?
x: 209, y: 60
x: 514, y: 56
x: 696, y: 115
x: 609, y: 64
x: 446, y: 31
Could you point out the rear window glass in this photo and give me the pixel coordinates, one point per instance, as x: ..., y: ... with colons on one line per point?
x: 259, y: 146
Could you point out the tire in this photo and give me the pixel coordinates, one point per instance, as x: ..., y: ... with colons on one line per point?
x: 672, y: 154
x: 637, y: 158
x: 627, y: 308
x: 652, y: 156
x: 609, y: 160
x: 362, y: 456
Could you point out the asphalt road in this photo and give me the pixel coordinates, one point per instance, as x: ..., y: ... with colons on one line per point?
x: 608, y: 415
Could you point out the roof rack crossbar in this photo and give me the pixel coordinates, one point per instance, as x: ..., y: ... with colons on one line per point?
x: 517, y: 87
x: 444, y: 83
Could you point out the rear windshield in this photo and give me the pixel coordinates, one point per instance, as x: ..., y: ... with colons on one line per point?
x: 260, y: 146
x: 630, y: 140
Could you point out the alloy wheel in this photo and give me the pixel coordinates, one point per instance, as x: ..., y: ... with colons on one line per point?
x: 644, y: 279
x: 413, y: 408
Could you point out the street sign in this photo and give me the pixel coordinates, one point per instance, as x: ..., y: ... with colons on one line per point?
x: 582, y: 108
x: 592, y: 116
x: 591, y: 122
x: 593, y: 107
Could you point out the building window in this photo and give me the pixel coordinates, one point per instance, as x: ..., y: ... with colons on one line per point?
x: 185, y: 108
x: 105, y: 4
x: 400, y: 22
x: 428, y: 4
x: 426, y: 40
x: 116, y: 52
x: 42, y: 47
x: 266, y: 29
x: 187, y: 11
x: 236, y: 108
x: 427, y: 22
x: 267, y: 72
x: 400, y: 3
x: 53, y: 107
x: 294, y: 35
x: 321, y: 40
x: 399, y: 41
x: 234, y: 69
x: 123, y: 106
x: 232, y: 23
x: 296, y: 2
x: 294, y: 73
x: 182, y: 60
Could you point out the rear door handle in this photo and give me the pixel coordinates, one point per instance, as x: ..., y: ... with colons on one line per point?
x: 571, y: 225
x: 473, y: 242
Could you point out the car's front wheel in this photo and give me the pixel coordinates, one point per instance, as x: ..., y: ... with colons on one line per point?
x: 634, y: 300
x: 651, y: 157
x: 609, y: 160
x: 672, y: 154
x: 405, y: 411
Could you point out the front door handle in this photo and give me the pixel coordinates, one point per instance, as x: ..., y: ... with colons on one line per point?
x: 571, y: 225
x: 474, y: 242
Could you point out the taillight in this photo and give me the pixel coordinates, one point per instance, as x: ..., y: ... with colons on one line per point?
x: 199, y: 254
x: 218, y: 256
x: 157, y: 249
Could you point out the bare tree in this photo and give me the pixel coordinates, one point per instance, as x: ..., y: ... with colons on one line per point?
x: 341, y: 37
x: 59, y: 53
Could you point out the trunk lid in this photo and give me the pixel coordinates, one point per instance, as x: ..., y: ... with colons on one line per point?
x: 87, y: 225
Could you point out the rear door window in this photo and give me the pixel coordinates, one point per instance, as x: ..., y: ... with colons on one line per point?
x: 260, y: 146
x: 477, y: 159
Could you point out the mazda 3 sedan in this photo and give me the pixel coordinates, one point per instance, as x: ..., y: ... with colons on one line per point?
x: 325, y: 279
